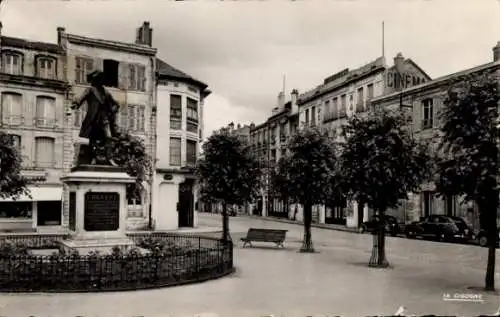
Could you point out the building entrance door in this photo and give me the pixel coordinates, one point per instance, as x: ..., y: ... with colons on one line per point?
x: 186, y: 204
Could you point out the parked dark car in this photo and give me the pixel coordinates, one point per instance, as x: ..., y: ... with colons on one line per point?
x: 441, y: 228
x: 482, y: 238
x: 391, y: 225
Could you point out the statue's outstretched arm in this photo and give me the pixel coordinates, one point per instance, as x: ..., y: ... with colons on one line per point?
x: 79, y: 101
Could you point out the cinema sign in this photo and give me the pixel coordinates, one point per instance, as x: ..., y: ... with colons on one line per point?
x: 409, y: 76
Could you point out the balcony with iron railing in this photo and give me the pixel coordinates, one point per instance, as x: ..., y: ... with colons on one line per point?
x: 427, y: 124
x: 330, y: 116
x: 13, y: 120
x: 342, y: 113
x: 42, y: 122
x: 283, y: 138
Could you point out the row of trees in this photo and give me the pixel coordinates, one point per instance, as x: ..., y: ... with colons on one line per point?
x: 377, y: 165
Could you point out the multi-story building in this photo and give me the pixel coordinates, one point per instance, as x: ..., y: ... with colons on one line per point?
x: 33, y: 93
x: 179, y: 135
x: 344, y: 94
x: 38, y: 82
x: 424, y: 103
x: 269, y: 141
x: 130, y: 76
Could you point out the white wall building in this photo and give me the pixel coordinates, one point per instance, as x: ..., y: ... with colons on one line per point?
x: 179, y: 134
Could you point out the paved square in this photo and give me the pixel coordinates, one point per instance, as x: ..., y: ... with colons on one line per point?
x: 283, y: 282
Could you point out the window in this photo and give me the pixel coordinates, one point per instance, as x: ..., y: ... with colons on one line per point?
x: 46, y: 67
x: 45, y: 111
x: 175, y: 151
x: 44, y: 152
x: 370, y: 91
x: 84, y: 66
x: 191, y: 127
x: 307, y: 116
x: 12, y: 63
x: 16, y: 209
x: 190, y: 152
x: 175, y: 112
x: 343, y: 106
x: 335, y: 108
x: 12, y: 108
x: 313, y: 116
x: 110, y: 70
x: 192, y: 109
x: 136, y: 77
x: 361, y: 96
x: 134, y: 201
x: 427, y: 113
x: 327, y: 109
x: 123, y: 117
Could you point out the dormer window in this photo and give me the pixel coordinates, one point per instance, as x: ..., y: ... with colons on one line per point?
x: 12, y: 63
x: 46, y: 67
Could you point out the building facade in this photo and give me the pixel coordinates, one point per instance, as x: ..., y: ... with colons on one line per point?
x: 33, y: 93
x: 38, y: 83
x: 424, y: 103
x: 344, y: 94
x: 269, y: 143
x: 179, y: 134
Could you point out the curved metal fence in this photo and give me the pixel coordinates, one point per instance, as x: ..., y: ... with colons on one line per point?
x: 186, y: 259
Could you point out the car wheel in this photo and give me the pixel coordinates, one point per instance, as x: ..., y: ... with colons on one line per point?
x: 483, y: 241
x: 362, y: 229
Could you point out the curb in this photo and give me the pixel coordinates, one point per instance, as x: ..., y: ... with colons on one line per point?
x: 313, y: 225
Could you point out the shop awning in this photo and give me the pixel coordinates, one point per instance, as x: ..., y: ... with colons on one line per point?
x: 40, y: 194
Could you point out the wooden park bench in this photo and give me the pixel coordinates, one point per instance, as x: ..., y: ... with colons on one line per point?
x: 265, y: 235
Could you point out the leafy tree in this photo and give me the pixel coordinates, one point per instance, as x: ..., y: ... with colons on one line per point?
x: 307, y: 174
x: 228, y: 173
x: 381, y: 163
x: 469, y: 147
x: 12, y: 183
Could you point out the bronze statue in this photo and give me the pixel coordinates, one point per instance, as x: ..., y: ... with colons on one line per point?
x: 99, y: 124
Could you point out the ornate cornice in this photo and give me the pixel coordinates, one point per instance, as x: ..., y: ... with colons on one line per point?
x: 34, y: 81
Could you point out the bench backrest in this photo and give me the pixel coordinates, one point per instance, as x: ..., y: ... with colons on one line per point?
x: 272, y: 235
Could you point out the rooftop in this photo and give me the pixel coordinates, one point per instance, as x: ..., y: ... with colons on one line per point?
x: 438, y: 81
x: 31, y: 45
x: 168, y: 71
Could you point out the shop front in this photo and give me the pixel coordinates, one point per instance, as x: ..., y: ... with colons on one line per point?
x: 40, y: 211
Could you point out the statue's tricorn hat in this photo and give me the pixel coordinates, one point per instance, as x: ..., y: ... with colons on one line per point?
x: 96, y: 74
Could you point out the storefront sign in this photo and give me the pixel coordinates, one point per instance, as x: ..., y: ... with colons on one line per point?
x: 102, y: 211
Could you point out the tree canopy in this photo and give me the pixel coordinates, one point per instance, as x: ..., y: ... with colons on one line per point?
x: 130, y: 153
x: 381, y: 162
x: 227, y: 170
x: 307, y: 174
x: 12, y: 183
x: 469, y: 162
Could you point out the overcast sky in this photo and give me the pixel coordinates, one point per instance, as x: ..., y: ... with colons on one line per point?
x: 242, y: 49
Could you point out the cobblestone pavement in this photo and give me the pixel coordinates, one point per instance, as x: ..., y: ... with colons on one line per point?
x: 283, y: 282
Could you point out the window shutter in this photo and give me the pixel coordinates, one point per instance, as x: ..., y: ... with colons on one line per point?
x: 98, y: 64
x: 141, y: 78
x: 122, y: 75
x: 417, y: 116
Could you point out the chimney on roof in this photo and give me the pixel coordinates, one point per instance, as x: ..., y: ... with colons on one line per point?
x: 144, y: 35
x: 398, y: 62
x: 295, y: 98
x: 60, y: 32
x: 496, y: 52
x: 281, y: 100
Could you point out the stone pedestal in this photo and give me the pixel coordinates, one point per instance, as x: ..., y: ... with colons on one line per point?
x: 97, y: 209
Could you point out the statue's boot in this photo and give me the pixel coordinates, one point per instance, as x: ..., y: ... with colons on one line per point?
x: 109, y: 154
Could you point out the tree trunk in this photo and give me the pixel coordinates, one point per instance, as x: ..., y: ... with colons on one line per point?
x: 295, y: 212
x: 225, y: 224
x: 377, y: 258
x: 307, y: 245
x: 490, y: 210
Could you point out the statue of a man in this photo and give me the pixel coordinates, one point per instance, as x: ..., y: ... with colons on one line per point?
x: 99, y: 124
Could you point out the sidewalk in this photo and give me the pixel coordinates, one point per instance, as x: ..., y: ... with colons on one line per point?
x: 314, y: 225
